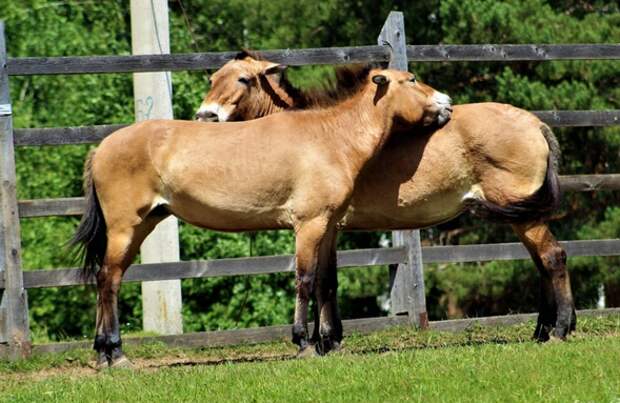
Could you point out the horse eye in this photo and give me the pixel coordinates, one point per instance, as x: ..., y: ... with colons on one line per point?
x: 244, y: 80
x: 413, y: 79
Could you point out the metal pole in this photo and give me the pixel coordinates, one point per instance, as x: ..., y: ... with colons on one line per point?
x: 406, y: 279
x: 14, y: 328
x: 153, y: 99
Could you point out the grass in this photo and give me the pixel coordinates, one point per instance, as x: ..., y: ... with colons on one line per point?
x: 480, y: 364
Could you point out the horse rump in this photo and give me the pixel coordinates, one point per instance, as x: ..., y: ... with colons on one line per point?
x: 537, y: 207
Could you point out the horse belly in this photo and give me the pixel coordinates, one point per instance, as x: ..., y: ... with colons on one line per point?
x: 408, y: 212
x: 225, y: 213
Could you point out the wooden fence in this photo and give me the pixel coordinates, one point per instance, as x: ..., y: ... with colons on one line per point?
x: 408, y: 282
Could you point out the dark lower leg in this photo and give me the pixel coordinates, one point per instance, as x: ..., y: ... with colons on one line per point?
x: 557, y: 311
x: 547, y: 312
x: 308, y: 240
x: 316, y: 337
x: 108, y: 338
x: 304, y: 287
x: 327, y: 296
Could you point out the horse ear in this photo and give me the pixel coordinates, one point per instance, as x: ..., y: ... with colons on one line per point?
x: 380, y: 79
x: 274, y: 68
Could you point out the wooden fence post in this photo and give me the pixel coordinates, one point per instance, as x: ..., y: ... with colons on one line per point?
x: 161, y: 300
x: 14, y: 307
x: 406, y: 279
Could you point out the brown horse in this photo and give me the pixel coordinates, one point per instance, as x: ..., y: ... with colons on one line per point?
x: 494, y: 159
x: 239, y: 176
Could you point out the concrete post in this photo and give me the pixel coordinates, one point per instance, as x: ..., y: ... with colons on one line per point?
x: 153, y: 99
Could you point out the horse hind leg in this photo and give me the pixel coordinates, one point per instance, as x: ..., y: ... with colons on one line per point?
x: 557, y: 311
x: 124, y: 240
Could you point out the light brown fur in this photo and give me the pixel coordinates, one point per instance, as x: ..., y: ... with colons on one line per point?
x: 487, y: 151
x: 290, y: 170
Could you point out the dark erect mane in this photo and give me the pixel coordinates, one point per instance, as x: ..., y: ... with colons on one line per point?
x: 247, y: 53
x: 349, y: 81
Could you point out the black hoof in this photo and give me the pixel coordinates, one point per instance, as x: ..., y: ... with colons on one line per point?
x: 328, y: 345
x: 103, y: 361
x: 542, y: 332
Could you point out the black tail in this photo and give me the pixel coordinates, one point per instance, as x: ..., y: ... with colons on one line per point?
x: 90, y: 240
x: 537, y: 207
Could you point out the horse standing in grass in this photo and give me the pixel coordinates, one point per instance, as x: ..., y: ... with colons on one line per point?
x: 494, y: 159
x: 290, y: 170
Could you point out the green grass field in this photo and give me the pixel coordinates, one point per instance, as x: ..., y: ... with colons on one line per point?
x: 400, y: 364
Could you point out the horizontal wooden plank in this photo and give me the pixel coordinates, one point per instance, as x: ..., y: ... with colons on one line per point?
x: 503, y: 53
x: 74, y: 206
x: 277, y: 333
x: 212, y: 268
x: 93, y: 134
x: 68, y: 206
x: 514, y: 251
x: 589, y: 183
x: 189, y: 61
x: 63, y: 135
x: 296, y: 57
x: 352, y: 258
x: 580, y: 118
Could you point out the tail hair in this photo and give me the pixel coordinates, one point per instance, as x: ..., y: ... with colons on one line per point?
x: 539, y: 206
x: 90, y: 240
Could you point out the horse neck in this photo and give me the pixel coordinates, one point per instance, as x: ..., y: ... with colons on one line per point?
x: 363, y: 127
x: 276, y: 98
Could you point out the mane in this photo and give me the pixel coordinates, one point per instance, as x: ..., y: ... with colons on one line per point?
x: 348, y: 82
x: 247, y: 53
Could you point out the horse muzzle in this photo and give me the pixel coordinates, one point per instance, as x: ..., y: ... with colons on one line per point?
x: 206, y: 116
x: 443, y: 103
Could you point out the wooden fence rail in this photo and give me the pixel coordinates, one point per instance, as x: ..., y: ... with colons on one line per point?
x: 93, y: 134
x: 504, y: 53
x: 74, y: 206
x: 297, y: 57
x: 285, y: 263
x: 391, y: 49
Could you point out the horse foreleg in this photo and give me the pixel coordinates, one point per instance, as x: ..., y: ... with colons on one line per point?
x: 557, y: 311
x: 330, y: 325
x: 308, y: 239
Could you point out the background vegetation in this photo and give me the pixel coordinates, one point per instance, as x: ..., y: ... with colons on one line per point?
x: 70, y: 28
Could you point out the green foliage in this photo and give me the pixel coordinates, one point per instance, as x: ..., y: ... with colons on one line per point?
x: 43, y: 28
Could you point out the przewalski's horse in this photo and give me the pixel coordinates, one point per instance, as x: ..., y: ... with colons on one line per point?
x: 498, y: 160
x: 289, y: 170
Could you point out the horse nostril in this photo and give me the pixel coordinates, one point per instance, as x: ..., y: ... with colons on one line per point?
x: 206, y: 116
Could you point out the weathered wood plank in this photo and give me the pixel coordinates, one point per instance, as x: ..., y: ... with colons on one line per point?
x: 213, y: 268
x: 64, y: 135
x: 68, y: 206
x: 93, y: 134
x: 275, y: 333
x: 297, y: 57
x: 514, y: 251
x: 402, y: 275
x: 352, y: 258
x: 590, y: 183
x: 580, y: 118
x: 14, y: 298
x: 492, y: 52
x: 74, y: 206
x: 189, y: 61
